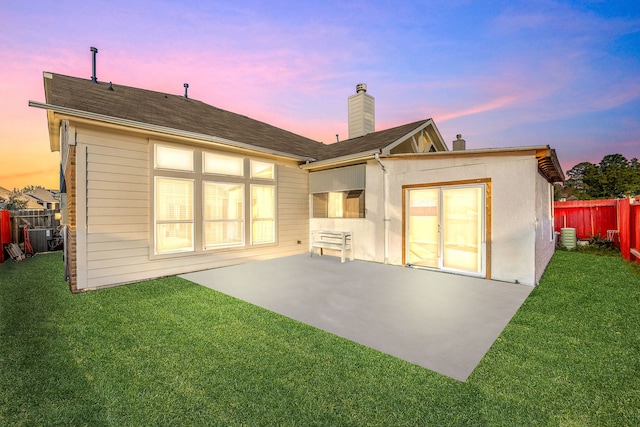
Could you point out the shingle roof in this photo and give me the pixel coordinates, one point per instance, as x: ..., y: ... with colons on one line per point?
x: 191, y: 115
x: 172, y: 111
x: 369, y: 142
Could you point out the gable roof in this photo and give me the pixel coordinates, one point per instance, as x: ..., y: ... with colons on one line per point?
x: 162, y: 112
x: 171, y: 111
x: 369, y: 142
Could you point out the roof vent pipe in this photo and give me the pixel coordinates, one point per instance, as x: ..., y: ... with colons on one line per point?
x: 186, y: 88
x: 459, y: 144
x: 93, y: 63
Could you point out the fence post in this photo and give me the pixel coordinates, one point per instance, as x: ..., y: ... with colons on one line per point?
x: 634, y: 229
x: 624, y: 220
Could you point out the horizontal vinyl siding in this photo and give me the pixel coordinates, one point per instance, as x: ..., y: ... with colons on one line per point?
x: 117, y: 205
x: 293, y: 210
x: 119, y: 196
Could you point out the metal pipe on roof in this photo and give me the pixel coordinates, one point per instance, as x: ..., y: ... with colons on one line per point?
x: 94, y: 51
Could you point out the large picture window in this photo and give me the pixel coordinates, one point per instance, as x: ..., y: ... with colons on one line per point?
x: 223, y: 214
x: 209, y: 200
x: 174, y: 215
x: 263, y: 214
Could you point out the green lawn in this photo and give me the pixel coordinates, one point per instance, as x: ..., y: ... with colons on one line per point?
x: 168, y: 352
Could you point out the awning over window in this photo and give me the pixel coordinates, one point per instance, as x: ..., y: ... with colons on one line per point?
x: 340, y: 179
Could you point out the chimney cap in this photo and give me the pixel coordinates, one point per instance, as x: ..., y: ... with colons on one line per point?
x: 361, y: 87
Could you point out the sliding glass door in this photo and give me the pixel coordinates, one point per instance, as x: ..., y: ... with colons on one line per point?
x: 423, y: 243
x: 445, y: 228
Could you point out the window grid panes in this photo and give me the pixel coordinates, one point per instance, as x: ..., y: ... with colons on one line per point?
x: 223, y: 214
x: 205, y: 200
x: 262, y: 170
x: 263, y: 214
x: 222, y: 164
x: 171, y: 158
x: 174, y: 215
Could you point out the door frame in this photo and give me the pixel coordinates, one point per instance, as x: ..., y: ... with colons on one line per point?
x: 487, y: 213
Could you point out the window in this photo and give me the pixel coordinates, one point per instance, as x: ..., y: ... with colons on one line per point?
x: 223, y: 214
x: 171, y: 158
x: 339, y: 204
x: 263, y: 214
x: 174, y: 215
x: 207, y: 200
x: 262, y: 170
x: 223, y: 164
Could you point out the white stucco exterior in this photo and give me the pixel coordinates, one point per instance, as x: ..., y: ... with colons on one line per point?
x: 518, y: 223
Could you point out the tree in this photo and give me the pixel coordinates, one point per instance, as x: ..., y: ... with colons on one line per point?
x: 613, y: 177
x: 16, y: 201
x: 580, y: 179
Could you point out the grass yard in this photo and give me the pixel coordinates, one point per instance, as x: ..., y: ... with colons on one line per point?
x: 169, y: 352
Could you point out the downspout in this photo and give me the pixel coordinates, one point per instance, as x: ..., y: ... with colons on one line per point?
x: 386, y: 207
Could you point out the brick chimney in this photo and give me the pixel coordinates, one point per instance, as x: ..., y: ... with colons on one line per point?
x: 459, y: 144
x: 361, y: 112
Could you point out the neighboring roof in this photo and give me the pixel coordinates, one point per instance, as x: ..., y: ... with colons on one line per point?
x: 369, y: 142
x: 31, y: 203
x: 43, y: 195
x: 171, y: 111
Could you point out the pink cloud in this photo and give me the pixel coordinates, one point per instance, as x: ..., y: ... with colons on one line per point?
x: 477, y: 109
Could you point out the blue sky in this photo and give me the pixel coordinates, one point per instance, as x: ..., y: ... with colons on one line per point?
x: 504, y: 74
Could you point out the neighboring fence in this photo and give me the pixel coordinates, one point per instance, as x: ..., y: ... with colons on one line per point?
x: 618, y: 220
x: 588, y: 217
x: 32, y: 218
x: 629, y: 218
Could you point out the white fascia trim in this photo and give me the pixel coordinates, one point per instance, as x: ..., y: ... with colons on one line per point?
x: 340, y: 161
x: 161, y: 129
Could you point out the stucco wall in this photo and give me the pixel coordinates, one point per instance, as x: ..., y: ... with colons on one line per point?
x: 514, y: 197
x: 545, y: 243
x: 368, y: 232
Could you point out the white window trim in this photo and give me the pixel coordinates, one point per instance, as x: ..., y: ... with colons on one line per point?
x: 192, y: 221
x: 243, y: 242
x: 199, y: 177
x: 275, y: 214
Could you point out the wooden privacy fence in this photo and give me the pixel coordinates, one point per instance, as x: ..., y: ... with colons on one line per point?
x: 588, y: 217
x: 614, y: 219
x: 32, y: 218
x: 629, y: 218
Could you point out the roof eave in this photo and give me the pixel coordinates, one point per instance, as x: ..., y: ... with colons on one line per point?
x: 548, y: 163
x: 54, y: 130
x: 340, y: 161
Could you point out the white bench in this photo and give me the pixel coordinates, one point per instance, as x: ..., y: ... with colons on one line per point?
x: 338, y: 240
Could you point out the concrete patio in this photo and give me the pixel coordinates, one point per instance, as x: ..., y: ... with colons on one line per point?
x: 440, y: 321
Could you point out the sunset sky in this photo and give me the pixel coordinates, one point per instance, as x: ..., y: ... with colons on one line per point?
x: 501, y: 73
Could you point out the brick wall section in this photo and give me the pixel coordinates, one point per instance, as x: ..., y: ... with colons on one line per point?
x: 70, y: 177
